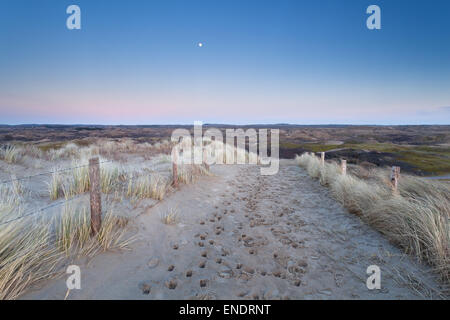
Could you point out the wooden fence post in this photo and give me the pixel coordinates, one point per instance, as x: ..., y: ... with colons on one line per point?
x: 175, y: 166
x: 95, y: 195
x: 395, y: 175
x: 322, y: 158
x: 344, y: 167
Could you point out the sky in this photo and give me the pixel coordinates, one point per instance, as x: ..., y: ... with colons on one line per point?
x: 262, y: 61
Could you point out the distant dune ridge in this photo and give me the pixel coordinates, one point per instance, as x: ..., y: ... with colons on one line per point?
x: 419, y: 149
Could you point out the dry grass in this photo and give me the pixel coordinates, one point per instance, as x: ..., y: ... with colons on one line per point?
x: 26, y: 257
x: 416, y: 218
x: 11, y: 154
x: 147, y: 186
x: 36, y: 248
x: 170, y: 216
x: 10, y: 201
x: 190, y: 173
x: 84, y: 149
x: 55, y: 186
x: 25, y: 254
x: 78, y: 181
x: 73, y: 233
x: 111, y: 177
x: 117, y: 149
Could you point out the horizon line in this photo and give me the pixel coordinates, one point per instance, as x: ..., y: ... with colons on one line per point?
x: 215, y: 124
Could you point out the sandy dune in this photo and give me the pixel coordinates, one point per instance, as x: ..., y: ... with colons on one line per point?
x: 245, y: 236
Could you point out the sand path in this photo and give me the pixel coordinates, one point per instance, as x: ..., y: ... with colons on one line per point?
x: 246, y: 236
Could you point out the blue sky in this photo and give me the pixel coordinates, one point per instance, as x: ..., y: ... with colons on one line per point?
x: 305, y: 62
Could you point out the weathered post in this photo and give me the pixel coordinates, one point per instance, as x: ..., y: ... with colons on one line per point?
x: 95, y: 195
x: 344, y: 167
x: 322, y: 158
x: 175, y: 166
x: 395, y: 175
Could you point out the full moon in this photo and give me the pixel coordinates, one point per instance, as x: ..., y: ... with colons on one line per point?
x: 200, y: 44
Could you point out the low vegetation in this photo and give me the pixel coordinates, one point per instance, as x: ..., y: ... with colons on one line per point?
x: 189, y: 173
x: 416, y: 217
x: 148, y: 186
x: 434, y: 160
x: 73, y: 232
x: 10, y: 154
x: 38, y: 247
x: 170, y: 216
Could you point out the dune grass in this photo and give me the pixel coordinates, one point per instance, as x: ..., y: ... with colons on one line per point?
x: 78, y: 181
x: 10, y: 201
x: 190, y: 173
x: 147, y: 186
x: 109, y: 178
x: 170, y: 216
x: 55, y: 186
x: 26, y: 257
x: 10, y: 154
x: 39, y: 247
x: 36, y: 248
x: 416, y: 218
x: 73, y: 232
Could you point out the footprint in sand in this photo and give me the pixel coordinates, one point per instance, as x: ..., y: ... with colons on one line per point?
x: 224, y: 252
x: 276, y: 273
x: 302, y: 263
x: 171, y: 267
x: 189, y: 273
x: 145, y: 287
x: 242, y: 293
x: 226, y: 273
x: 202, y: 264
x: 297, y: 282
x: 153, y: 263
x: 171, y: 284
x: 203, y: 283
x: 255, y: 296
x: 249, y: 270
